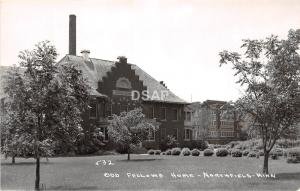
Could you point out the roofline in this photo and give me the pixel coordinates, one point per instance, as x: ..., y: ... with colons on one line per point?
x: 92, y: 58
x: 161, y: 101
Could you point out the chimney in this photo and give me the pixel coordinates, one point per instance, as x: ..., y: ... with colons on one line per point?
x: 122, y: 59
x: 85, y: 54
x: 72, y: 35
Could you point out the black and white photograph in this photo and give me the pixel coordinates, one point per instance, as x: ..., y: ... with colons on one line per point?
x: 150, y: 95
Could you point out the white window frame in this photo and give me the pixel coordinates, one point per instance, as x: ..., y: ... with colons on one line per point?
x: 150, y: 138
x: 161, y: 108
x: 103, y: 129
x: 186, y: 116
x: 190, y: 134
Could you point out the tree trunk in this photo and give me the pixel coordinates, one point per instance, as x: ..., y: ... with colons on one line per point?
x: 266, y: 163
x: 128, y: 152
x: 13, y: 159
x: 37, y: 174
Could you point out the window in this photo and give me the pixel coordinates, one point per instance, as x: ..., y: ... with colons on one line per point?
x: 104, y: 131
x: 227, y: 134
x: 93, y: 110
x: 123, y: 83
x: 213, y: 123
x: 188, y: 116
x: 163, y: 133
x: 100, y: 109
x: 151, y: 134
x: 175, y: 133
x: 187, y: 134
x: 213, y: 134
x: 163, y: 113
x: 175, y: 114
x: 109, y: 110
x: 151, y: 113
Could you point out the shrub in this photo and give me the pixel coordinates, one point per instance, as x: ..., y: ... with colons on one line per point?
x: 287, y: 143
x: 221, y: 152
x: 216, y: 146
x: 259, y: 147
x: 163, y: 153
x: 246, y: 152
x: 195, y: 144
x: 208, y: 152
x: 169, y: 152
x: 232, y: 144
x: 293, y: 155
x: 294, y: 152
x: 278, y: 151
x: 261, y: 153
x: 236, y: 153
x: 195, y: 152
x: 176, y: 151
x: 229, y: 151
x: 168, y: 143
x: 157, y: 152
x: 274, y: 156
x: 211, y: 147
x: 185, y: 152
x: 292, y: 160
x: 248, y: 145
x: 199, y: 144
x: 151, y: 152
x: 252, y: 154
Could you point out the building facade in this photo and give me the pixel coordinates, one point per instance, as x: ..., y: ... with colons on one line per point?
x: 212, y: 121
x: 120, y: 86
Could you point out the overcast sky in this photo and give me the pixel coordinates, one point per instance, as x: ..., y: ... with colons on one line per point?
x: 176, y: 41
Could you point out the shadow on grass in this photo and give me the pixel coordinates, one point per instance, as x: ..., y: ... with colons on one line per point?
x: 73, y: 188
x: 288, y: 176
x: 24, y: 163
x: 137, y: 160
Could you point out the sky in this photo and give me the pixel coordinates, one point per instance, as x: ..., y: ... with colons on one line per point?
x: 175, y: 41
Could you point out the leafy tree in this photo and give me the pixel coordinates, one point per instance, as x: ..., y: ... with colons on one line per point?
x: 49, y: 100
x: 168, y: 143
x: 15, y: 140
x: 129, y: 129
x: 269, y: 72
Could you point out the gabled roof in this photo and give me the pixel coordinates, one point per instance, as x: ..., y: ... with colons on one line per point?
x: 193, y: 106
x: 96, y: 69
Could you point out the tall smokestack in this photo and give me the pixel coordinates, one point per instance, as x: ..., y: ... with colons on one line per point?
x: 72, y: 35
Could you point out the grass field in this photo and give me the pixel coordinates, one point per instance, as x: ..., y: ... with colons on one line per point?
x: 82, y: 173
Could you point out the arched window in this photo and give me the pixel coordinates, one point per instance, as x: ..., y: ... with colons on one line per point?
x: 123, y: 83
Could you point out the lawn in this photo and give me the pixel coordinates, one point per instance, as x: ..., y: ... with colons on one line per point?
x: 82, y: 173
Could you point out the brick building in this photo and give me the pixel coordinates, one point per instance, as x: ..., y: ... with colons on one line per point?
x: 118, y: 86
x: 211, y: 121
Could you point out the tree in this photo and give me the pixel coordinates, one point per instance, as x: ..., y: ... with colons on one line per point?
x: 129, y: 129
x: 52, y: 99
x: 168, y: 143
x: 14, y: 135
x: 269, y: 72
